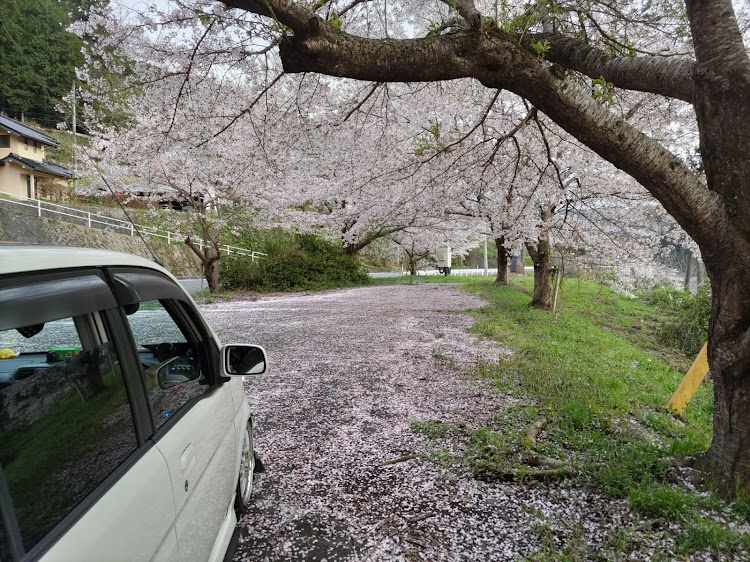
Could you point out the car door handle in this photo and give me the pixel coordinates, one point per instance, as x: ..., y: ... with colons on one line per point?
x: 187, y: 460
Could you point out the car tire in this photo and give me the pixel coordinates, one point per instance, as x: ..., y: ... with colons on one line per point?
x: 247, y: 471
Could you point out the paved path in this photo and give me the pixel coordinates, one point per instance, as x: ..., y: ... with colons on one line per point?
x: 194, y: 285
x: 348, y: 373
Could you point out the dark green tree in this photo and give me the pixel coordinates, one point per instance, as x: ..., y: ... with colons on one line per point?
x: 38, y: 56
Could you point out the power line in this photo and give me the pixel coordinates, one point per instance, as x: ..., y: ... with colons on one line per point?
x: 119, y: 203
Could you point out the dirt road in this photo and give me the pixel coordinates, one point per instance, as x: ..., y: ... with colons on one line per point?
x: 347, y: 476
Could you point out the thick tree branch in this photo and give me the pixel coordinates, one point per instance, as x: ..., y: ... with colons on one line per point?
x: 466, y: 10
x: 671, y: 77
x: 295, y: 16
x: 656, y: 168
x: 454, y: 55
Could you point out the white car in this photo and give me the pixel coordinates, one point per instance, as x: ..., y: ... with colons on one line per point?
x: 129, y: 436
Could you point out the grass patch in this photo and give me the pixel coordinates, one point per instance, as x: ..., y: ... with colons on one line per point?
x: 489, y: 452
x: 592, y: 361
x: 664, y: 502
x: 433, y: 429
x: 685, y: 320
x: 597, y: 365
x: 703, y: 534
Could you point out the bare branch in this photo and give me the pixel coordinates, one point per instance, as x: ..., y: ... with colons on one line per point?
x: 187, y: 74
x: 246, y: 110
x: 364, y: 100
x: 352, y: 5
x: 530, y: 115
x: 478, y: 124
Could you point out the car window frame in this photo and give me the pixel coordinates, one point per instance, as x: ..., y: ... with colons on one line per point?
x: 16, y: 290
x: 134, y: 285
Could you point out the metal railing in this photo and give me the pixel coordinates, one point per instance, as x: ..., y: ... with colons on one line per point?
x: 458, y: 272
x: 93, y: 220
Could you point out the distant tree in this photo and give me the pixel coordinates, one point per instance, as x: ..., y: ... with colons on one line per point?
x: 164, y: 157
x: 420, y: 243
x: 39, y: 56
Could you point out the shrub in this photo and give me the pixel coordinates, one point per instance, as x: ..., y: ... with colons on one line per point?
x: 294, y: 262
x: 685, y: 324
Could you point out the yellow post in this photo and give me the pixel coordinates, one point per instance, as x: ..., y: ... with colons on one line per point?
x: 693, y: 379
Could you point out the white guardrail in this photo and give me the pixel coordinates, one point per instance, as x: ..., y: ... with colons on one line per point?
x: 91, y: 219
x: 457, y: 272
x: 491, y: 271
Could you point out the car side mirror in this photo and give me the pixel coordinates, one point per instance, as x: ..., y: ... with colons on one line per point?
x: 243, y: 359
x: 177, y: 370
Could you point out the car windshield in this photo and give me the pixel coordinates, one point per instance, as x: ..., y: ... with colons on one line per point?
x: 153, y: 325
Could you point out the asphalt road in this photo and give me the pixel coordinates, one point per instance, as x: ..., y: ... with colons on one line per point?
x: 193, y: 286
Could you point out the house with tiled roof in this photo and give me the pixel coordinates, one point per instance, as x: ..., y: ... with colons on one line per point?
x: 23, y: 164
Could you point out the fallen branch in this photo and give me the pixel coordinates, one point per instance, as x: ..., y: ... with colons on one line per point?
x: 415, y: 541
x: 550, y: 473
x: 418, y: 518
x: 402, y: 459
x: 533, y: 431
x: 382, y: 523
x: 532, y: 458
x: 541, y: 474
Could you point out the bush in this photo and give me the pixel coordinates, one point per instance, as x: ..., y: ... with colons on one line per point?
x: 686, y: 320
x: 294, y: 262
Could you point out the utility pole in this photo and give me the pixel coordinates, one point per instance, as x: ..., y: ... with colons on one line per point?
x: 75, y: 157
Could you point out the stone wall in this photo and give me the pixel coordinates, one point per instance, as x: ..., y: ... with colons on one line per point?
x: 21, y: 225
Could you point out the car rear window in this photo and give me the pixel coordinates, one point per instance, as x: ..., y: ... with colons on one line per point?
x: 65, y: 422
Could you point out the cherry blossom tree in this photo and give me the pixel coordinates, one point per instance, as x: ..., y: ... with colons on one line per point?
x: 363, y: 187
x: 421, y: 243
x: 174, y: 158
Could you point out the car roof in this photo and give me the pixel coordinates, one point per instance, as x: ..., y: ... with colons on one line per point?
x: 19, y: 258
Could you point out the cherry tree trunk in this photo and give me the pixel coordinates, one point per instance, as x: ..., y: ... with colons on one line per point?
x: 211, y: 272
x: 722, y: 108
x: 502, y: 262
x: 413, y: 265
x: 728, y: 458
x: 540, y: 254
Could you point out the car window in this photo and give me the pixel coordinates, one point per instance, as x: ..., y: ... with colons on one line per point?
x: 65, y: 422
x: 169, y: 358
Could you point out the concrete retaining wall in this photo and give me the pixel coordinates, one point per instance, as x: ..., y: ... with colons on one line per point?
x: 24, y: 227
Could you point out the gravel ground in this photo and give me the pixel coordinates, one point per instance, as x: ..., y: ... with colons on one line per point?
x: 348, y: 372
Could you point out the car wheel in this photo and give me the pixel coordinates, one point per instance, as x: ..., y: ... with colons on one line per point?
x: 247, y: 469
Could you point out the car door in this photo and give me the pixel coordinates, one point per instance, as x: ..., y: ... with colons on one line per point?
x: 192, y: 409
x: 78, y: 478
